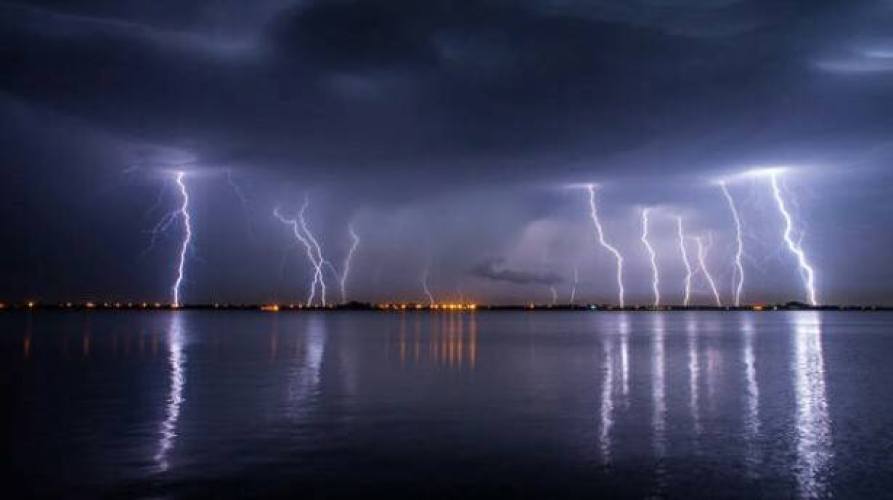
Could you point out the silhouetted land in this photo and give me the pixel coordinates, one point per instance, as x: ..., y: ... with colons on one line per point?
x: 398, y: 307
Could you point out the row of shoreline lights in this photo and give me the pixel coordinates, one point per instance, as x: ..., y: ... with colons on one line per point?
x: 387, y: 307
x: 264, y: 307
x: 382, y: 306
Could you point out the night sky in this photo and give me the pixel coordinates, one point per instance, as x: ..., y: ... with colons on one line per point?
x: 453, y: 136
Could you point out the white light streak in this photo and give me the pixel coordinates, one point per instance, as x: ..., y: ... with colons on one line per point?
x: 738, y: 275
x: 806, y: 271
x: 600, y: 235
x: 686, y: 299
x: 702, y: 258
x: 314, y: 254
x: 176, y: 361
x: 752, y: 396
x: 320, y: 261
x: 606, y: 415
x: 427, y: 290
x: 659, y: 401
x: 814, y: 443
x: 345, y: 272
x: 624, y: 355
x: 655, y: 278
x: 574, y: 286
x: 694, y: 372
x: 237, y: 190
x: 183, y: 212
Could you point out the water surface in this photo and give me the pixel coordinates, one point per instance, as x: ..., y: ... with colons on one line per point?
x: 420, y: 404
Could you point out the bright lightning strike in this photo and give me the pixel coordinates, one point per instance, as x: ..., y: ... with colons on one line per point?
x: 739, y: 251
x: 686, y: 299
x: 702, y: 258
x: 574, y: 286
x: 806, y: 270
x: 655, y: 278
x: 554, y: 294
x: 319, y: 261
x: 345, y: 271
x: 593, y: 214
x: 314, y: 253
x: 427, y: 290
x: 183, y: 212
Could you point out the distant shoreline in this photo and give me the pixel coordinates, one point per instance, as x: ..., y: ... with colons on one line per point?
x: 411, y: 307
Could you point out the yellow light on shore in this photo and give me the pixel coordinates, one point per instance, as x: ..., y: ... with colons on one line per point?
x: 270, y: 308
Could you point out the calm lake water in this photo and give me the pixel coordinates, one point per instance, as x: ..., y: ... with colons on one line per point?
x: 416, y: 405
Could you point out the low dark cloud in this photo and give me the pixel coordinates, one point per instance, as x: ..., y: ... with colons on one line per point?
x: 495, y: 269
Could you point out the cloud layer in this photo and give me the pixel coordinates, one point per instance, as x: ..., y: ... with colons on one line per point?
x: 447, y: 128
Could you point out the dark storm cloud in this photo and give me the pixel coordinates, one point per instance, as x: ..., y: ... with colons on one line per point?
x: 436, y: 121
x: 399, y: 84
x: 494, y: 269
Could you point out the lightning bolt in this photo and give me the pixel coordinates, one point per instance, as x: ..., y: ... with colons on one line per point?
x: 739, y: 251
x: 160, y: 228
x: 655, y: 279
x: 554, y: 293
x: 702, y: 257
x: 688, y: 273
x: 319, y: 261
x: 312, y: 248
x: 427, y: 290
x: 806, y: 271
x: 243, y: 201
x: 355, y: 242
x: 183, y: 213
x: 176, y: 361
x: 574, y: 287
x: 600, y: 234
x: 237, y: 189
x: 300, y: 237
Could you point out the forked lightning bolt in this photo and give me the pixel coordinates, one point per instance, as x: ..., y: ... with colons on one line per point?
x: 686, y: 298
x: 314, y: 255
x: 345, y: 271
x: 806, y: 270
x: 702, y: 258
x: 320, y: 261
x: 600, y: 235
x: 655, y: 278
x: 738, y: 275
